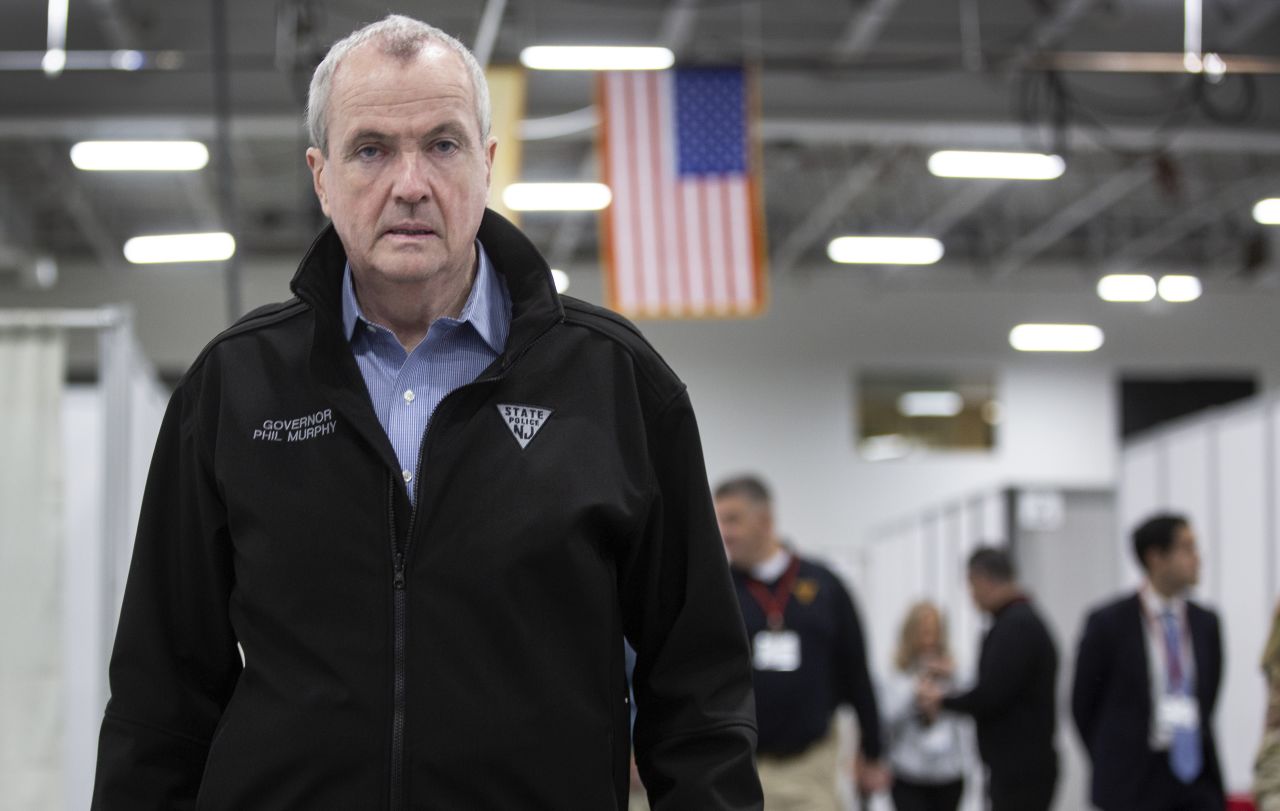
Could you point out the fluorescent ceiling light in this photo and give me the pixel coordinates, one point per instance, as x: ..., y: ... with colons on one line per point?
x: 556, y: 196
x: 214, y: 247
x: 996, y: 165
x: 930, y: 404
x: 1127, y: 287
x: 561, y: 279
x: 1178, y: 288
x: 139, y: 156
x: 596, y: 57
x: 1055, y: 338
x: 1267, y: 212
x: 885, y: 250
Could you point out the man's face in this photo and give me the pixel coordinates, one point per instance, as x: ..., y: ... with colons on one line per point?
x: 406, y: 174
x: 980, y: 589
x: 1179, y: 568
x: 745, y: 526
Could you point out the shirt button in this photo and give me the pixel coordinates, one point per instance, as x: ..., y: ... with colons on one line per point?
x: 408, y: 396
x: 407, y: 475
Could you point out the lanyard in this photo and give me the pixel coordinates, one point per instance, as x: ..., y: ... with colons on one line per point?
x: 1176, y: 668
x: 774, y: 603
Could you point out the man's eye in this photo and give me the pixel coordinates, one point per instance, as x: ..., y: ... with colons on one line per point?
x: 368, y: 151
x: 446, y: 147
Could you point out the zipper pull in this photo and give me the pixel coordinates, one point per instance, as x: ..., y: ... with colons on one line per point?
x: 398, y: 581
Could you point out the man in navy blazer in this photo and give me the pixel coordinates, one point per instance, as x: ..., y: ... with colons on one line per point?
x: 1146, y: 683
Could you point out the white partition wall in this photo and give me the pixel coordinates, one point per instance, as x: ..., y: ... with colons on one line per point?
x: 1219, y: 468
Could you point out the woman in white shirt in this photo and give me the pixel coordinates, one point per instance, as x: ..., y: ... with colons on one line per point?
x: 927, y: 753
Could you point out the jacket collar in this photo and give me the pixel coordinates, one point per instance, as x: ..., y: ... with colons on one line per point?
x: 535, y: 308
x: 535, y: 304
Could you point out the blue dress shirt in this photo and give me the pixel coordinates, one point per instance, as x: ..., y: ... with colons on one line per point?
x: 406, y: 387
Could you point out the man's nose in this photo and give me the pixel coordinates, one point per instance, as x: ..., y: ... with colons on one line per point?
x: 412, y: 177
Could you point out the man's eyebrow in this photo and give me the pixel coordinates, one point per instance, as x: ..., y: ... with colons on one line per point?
x: 454, y: 128
x: 366, y: 135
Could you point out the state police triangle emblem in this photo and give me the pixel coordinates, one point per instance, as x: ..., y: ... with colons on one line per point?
x: 524, y: 420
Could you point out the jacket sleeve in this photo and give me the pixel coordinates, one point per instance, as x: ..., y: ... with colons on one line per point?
x: 1006, y: 664
x: 855, y: 678
x: 175, y: 661
x: 695, y: 730
x: 1093, y: 665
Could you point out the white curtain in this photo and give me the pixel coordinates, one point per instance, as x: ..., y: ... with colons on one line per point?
x: 31, y: 510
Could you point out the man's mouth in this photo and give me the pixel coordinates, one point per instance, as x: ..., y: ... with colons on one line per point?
x: 411, y: 232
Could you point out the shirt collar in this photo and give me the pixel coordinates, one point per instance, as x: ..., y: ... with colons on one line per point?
x: 772, y: 567
x: 1156, y: 605
x: 488, y: 307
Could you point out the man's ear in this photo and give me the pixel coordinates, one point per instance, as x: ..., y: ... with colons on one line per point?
x: 491, y: 149
x: 316, y: 163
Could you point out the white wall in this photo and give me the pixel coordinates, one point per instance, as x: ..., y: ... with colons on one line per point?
x: 1220, y: 468
x: 90, y: 600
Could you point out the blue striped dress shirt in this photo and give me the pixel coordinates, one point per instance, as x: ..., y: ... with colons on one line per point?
x: 406, y: 387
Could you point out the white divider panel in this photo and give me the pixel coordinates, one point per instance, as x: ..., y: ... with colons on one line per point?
x: 1191, y: 462
x: 1239, y: 539
x: 1273, y: 499
x: 1139, y: 497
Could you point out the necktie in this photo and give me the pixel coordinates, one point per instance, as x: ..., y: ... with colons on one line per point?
x: 1185, y: 757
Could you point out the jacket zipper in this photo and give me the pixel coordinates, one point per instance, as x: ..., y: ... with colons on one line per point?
x: 399, y: 654
x: 399, y: 586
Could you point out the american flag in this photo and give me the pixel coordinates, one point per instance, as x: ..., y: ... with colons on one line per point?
x: 684, y: 235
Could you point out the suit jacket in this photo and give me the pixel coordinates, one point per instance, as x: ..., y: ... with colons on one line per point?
x: 1111, y: 699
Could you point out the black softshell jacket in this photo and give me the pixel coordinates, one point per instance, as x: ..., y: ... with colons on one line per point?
x: 466, y: 654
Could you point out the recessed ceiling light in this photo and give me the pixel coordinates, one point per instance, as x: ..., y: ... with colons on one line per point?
x: 1055, y: 338
x: 556, y: 196
x: 1127, y: 287
x: 139, y: 156
x: 1267, y: 212
x: 212, y: 247
x: 596, y: 57
x: 930, y: 404
x: 996, y: 165
x: 1179, y: 288
x: 885, y: 250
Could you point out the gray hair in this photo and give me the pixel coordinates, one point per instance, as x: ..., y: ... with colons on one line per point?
x: 402, y: 38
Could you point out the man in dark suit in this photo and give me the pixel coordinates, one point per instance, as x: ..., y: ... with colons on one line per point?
x: 1146, y: 683
x: 1013, y: 703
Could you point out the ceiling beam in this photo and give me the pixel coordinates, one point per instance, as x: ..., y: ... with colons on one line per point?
x: 958, y: 134
x: 862, y: 30
x: 1133, y: 253
x: 823, y: 215
x: 958, y: 207
x: 487, y: 34
x: 1067, y: 219
x: 678, y: 23
x: 1050, y: 31
x: 1252, y: 19
x: 87, y: 221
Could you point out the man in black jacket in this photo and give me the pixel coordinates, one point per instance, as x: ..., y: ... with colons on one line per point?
x: 397, y: 528
x: 1013, y: 703
x: 1146, y: 684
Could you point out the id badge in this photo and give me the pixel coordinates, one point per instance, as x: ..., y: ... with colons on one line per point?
x: 1179, y: 712
x: 776, y: 650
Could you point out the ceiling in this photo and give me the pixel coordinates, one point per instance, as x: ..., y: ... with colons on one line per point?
x: 1162, y: 167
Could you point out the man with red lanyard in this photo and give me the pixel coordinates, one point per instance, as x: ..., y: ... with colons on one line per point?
x: 808, y: 653
x: 1146, y: 684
